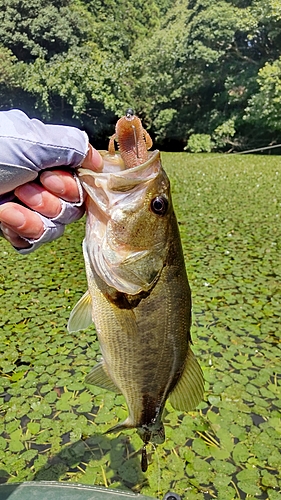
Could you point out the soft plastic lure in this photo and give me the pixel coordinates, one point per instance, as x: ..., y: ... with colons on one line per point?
x: 133, y: 140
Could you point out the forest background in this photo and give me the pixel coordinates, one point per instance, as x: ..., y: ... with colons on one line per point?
x: 202, y: 75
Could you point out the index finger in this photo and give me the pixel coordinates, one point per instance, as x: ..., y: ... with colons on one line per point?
x: 93, y: 160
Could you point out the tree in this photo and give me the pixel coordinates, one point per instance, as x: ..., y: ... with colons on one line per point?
x: 187, y: 67
x: 54, y: 61
x: 200, y: 68
x: 10, y: 81
x: 70, y: 86
x: 40, y: 28
x: 180, y: 77
x: 117, y: 24
x: 264, y: 110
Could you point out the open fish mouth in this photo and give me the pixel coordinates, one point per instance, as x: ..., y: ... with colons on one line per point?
x: 104, y: 187
x: 115, y: 195
x: 152, y: 434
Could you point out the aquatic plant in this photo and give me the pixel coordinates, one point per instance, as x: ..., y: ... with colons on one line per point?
x: 52, y: 426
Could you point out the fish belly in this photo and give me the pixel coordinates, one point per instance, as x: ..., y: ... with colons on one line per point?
x: 144, y: 341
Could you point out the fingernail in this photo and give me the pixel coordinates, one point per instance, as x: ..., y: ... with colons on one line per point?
x: 12, y: 216
x: 93, y: 160
x: 30, y: 194
x: 53, y: 182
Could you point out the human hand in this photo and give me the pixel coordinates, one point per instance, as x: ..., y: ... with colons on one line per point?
x: 19, y: 222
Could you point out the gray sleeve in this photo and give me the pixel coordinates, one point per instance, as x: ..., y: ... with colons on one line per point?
x: 28, y: 146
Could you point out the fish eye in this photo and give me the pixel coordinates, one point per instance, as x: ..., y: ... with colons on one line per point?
x: 159, y: 205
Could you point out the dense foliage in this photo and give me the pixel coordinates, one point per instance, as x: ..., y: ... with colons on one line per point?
x: 189, y: 67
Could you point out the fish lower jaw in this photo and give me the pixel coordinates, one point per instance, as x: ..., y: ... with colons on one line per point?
x: 149, y: 433
x: 152, y: 433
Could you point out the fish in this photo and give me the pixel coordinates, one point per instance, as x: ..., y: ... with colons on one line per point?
x: 138, y: 295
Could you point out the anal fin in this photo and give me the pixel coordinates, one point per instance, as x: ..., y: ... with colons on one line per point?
x: 189, y: 390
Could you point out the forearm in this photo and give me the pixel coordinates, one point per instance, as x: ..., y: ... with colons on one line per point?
x: 28, y: 146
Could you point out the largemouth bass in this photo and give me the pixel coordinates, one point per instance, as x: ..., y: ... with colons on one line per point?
x: 138, y: 292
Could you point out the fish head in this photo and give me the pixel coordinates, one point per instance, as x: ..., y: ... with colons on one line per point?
x: 152, y: 432
x: 128, y: 221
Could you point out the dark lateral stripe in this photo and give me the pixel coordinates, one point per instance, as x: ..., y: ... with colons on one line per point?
x: 149, y: 409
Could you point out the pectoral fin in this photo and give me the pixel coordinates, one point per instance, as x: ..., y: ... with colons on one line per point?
x: 81, y: 315
x: 188, y: 392
x: 99, y: 377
